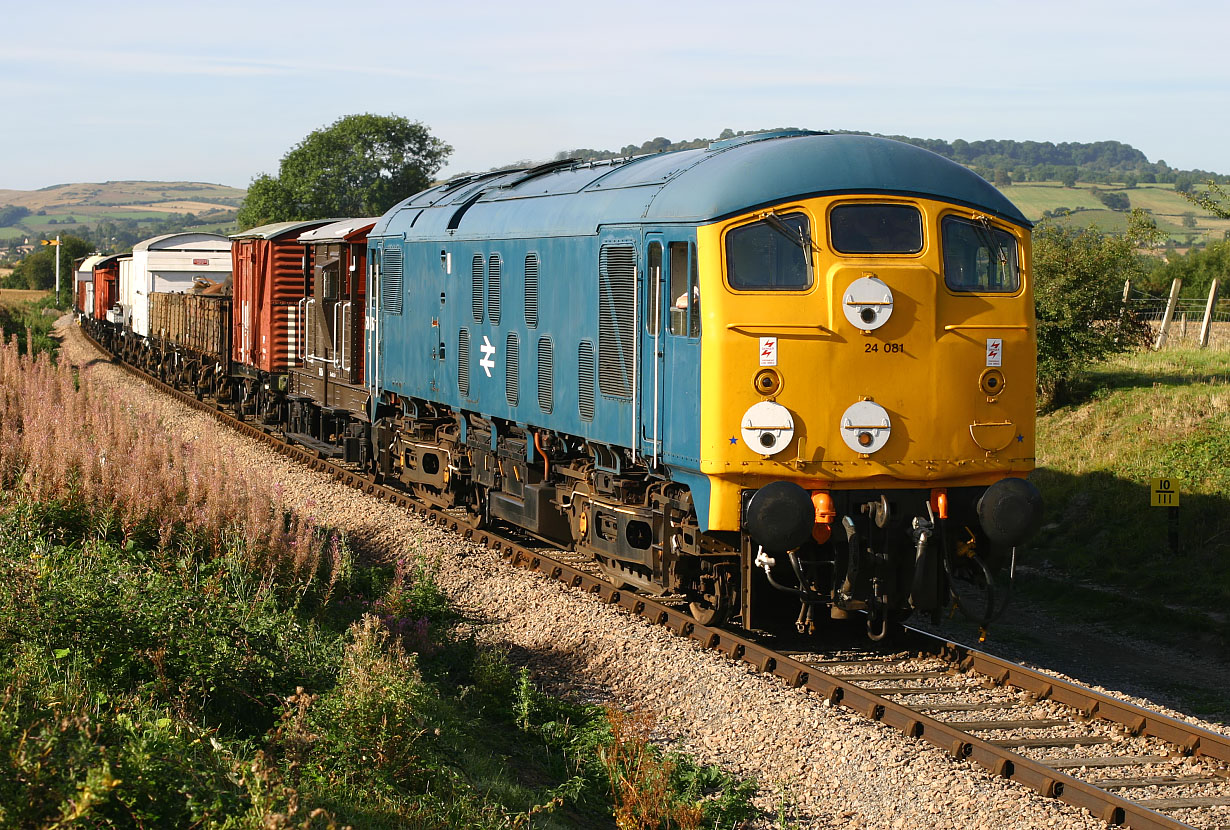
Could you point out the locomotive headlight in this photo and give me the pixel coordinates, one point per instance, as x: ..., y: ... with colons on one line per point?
x: 767, y: 382
x: 868, y: 303
x: 767, y: 428
x: 991, y: 382
x: 865, y: 427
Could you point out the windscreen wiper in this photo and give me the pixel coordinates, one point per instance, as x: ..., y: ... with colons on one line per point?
x: 986, y: 233
x: 796, y: 235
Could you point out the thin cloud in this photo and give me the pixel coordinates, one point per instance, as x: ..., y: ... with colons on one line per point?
x: 32, y: 60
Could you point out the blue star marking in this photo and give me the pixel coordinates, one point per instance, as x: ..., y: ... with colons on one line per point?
x: 734, y: 439
x: 1020, y: 439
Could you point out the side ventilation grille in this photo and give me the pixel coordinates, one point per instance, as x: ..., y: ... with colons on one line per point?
x: 391, y: 280
x: 493, y: 289
x: 512, y: 365
x: 531, y: 290
x: 476, y: 286
x: 463, y: 362
x: 585, y: 380
x: 616, y: 319
x: 546, y: 374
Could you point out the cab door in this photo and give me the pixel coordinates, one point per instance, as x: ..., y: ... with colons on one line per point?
x: 681, y: 399
x: 670, y: 364
x: 373, y: 345
x: 653, y: 292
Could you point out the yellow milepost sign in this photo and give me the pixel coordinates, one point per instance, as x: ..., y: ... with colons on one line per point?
x: 1164, y: 493
x: 49, y: 242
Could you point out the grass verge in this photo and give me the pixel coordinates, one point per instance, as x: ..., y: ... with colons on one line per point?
x: 1142, y: 416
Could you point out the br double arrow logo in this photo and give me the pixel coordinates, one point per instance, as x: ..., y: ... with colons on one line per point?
x: 488, y: 351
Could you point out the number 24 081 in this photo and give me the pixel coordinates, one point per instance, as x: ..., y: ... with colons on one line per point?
x: 888, y: 348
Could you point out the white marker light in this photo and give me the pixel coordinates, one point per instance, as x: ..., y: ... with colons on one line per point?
x: 865, y: 427
x: 767, y: 428
x: 868, y: 303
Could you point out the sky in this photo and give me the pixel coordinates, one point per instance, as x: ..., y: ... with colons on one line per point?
x: 219, y: 92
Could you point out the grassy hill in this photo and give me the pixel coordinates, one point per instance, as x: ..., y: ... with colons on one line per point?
x: 130, y: 205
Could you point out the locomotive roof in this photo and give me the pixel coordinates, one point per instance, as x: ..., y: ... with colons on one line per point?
x: 277, y: 229
x: 687, y: 186
x: 342, y: 231
x: 191, y: 240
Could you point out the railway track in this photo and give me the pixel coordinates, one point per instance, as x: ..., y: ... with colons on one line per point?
x: 1125, y: 764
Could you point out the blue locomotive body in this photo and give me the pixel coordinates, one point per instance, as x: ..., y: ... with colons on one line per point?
x: 564, y: 348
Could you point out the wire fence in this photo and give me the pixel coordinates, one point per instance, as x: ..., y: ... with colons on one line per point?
x: 1187, y: 320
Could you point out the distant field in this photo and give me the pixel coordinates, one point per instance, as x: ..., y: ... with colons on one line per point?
x: 1167, y: 207
x: 140, y: 204
x: 13, y: 296
x: 64, y: 198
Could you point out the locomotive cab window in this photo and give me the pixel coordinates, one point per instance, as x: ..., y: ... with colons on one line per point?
x: 876, y: 229
x: 770, y: 255
x: 684, y: 290
x: 653, y: 308
x: 978, y: 257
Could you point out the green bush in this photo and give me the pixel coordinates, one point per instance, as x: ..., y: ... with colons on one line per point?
x: 1078, y: 293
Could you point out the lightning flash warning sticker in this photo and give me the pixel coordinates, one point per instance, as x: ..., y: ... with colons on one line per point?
x: 768, y: 351
x: 995, y: 351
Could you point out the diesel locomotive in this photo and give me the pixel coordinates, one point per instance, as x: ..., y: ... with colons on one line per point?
x: 789, y: 370
x: 788, y: 376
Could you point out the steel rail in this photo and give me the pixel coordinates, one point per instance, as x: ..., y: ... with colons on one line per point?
x: 1000, y: 761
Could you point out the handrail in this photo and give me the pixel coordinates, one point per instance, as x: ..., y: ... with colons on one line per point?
x: 1013, y: 326
x: 773, y: 327
x: 301, y: 346
x: 340, y: 331
x: 307, y: 330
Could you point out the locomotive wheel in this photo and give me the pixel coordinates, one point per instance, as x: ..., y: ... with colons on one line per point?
x: 476, y: 506
x: 707, y: 614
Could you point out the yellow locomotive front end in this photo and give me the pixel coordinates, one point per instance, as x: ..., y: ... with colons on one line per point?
x: 868, y: 374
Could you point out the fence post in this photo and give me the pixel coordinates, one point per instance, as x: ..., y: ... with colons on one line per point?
x: 1170, y: 304
x: 1207, y: 327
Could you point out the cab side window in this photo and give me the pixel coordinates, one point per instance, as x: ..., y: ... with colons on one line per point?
x: 684, y: 290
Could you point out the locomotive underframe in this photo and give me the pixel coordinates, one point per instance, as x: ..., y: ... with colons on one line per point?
x: 889, y: 555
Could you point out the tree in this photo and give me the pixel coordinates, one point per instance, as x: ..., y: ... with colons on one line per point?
x: 1113, y: 199
x: 12, y: 214
x: 1078, y: 284
x: 361, y: 165
x: 1068, y: 177
x: 38, y: 270
x: 1214, y: 199
x: 1184, y: 182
